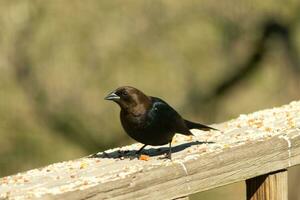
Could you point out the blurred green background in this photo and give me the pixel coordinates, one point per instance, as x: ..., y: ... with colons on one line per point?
x: 212, y: 60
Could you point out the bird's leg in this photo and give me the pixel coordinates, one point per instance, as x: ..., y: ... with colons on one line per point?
x: 137, y: 154
x: 170, y: 151
x: 141, y: 149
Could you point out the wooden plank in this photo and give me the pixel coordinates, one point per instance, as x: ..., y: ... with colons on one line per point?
x: 182, y: 198
x: 247, y: 147
x: 273, y: 186
x: 210, y: 172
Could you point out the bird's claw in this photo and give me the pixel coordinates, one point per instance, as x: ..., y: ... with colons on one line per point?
x: 167, y: 156
x: 132, y: 157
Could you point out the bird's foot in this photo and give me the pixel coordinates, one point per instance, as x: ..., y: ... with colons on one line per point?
x: 169, y: 156
x: 135, y: 156
x: 166, y: 157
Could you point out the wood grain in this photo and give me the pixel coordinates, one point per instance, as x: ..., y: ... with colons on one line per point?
x: 182, y: 198
x: 273, y: 186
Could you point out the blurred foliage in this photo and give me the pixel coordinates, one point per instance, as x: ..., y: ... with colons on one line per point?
x: 212, y: 60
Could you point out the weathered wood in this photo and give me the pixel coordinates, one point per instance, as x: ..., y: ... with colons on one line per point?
x: 182, y: 198
x: 247, y: 147
x: 272, y: 186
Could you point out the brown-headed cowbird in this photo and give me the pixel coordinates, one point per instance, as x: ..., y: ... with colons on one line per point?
x: 150, y: 120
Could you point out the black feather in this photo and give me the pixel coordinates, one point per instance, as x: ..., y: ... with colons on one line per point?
x: 193, y: 125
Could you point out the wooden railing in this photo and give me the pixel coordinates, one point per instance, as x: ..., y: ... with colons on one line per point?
x: 257, y: 148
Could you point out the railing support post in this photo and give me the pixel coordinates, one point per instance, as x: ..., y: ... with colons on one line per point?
x: 272, y: 186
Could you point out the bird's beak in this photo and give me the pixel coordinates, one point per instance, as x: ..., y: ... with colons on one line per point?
x: 112, y: 96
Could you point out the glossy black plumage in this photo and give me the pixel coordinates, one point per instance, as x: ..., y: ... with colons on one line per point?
x: 150, y: 120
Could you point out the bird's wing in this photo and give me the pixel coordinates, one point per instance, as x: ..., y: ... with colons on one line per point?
x: 168, y: 117
x: 162, y: 109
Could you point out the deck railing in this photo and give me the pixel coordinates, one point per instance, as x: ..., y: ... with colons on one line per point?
x: 256, y: 148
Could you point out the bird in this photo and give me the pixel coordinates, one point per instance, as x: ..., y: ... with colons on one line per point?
x: 150, y: 120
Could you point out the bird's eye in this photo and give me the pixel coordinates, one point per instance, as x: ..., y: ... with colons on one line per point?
x: 124, y: 93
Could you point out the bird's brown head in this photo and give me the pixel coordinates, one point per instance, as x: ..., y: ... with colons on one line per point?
x: 129, y: 99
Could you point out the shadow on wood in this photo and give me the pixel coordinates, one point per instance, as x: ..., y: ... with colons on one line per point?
x: 149, y: 151
x: 272, y: 186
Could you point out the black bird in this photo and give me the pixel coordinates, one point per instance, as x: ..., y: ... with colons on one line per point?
x: 150, y: 120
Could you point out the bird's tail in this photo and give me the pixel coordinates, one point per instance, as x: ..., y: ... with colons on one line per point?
x: 193, y: 125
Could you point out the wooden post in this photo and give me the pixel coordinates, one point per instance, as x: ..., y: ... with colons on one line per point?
x: 272, y: 186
